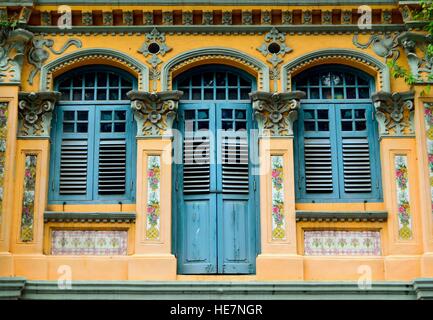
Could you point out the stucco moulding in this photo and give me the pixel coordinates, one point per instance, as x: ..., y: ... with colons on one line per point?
x: 394, y: 113
x: 276, y: 112
x: 154, y: 112
x: 35, y: 111
x: 12, y: 49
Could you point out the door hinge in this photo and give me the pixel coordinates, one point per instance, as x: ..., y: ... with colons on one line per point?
x: 254, y: 184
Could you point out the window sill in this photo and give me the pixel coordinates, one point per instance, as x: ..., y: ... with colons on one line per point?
x: 55, y: 216
x: 326, y: 216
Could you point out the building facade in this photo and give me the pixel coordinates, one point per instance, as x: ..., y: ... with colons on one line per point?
x: 224, y: 140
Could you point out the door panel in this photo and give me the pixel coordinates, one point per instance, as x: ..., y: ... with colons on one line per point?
x: 235, y: 231
x: 199, y: 238
x: 215, y: 194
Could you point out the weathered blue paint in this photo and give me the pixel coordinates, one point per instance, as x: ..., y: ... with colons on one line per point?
x: 215, y: 231
x: 94, y: 108
x: 335, y: 134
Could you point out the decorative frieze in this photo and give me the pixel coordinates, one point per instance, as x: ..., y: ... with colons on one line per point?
x: 12, y: 49
x: 4, y: 110
x: 87, y: 18
x: 428, y: 121
x: 89, y: 242
x: 278, y: 216
x: 46, y: 18
x: 208, y: 17
x: 154, y: 112
x: 346, y: 17
x: 227, y: 18
x: 327, y: 17
x: 276, y: 112
x: 187, y: 18
x: 341, y: 243
x: 148, y: 18
x: 394, y: 113
x: 307, y: 17
x: 28, y: 198
x: 386, y: 17
x: 167, y: 17
x: 266, y: 17
x: 153, y: 207
x: 287, y: 17
x: 384, y: 46
x: 128, y: 18
x: 35, y: 113
x: 38, y: 53
x: 404, y: 214
x: 107, y: 18
x: 247, y: 17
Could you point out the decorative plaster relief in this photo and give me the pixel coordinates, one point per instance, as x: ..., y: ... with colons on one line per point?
x: 276, y: 112
x: 154, y: 112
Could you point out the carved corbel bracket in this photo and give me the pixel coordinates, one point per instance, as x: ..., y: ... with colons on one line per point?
x: 276, y: 112
x: 419, y: 62
x: 394, y: 113
x: 35, y: 113
x: 12, y: 48
x: 154, y: 112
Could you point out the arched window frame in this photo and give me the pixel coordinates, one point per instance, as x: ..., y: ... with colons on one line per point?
x: 199, y: 70
x: 94, y: 139
x: 336, y: 135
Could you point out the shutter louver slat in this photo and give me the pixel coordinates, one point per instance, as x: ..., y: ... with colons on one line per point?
x: 356, y: 165
x: 196, y: 168
x: 73, y: 167
x: 235, y: 174
x: 112, y: 167
x: 318, y: 165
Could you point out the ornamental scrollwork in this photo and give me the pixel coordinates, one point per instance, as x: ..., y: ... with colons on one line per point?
x: 35, y: 111
x: 154, y: 112
x: 154, y: 46
x: 274, y: 48
x: 276, y: 112
x: 12, y: 49
x: 38, y: 55
x: 384, y: 46
x: 394, y: 113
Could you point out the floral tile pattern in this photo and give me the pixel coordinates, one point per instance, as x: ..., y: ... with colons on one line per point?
x: 89, y: 242
x: 3, y: 138
x: 28, y: 205
x: 153, y: 197
x: 278, y: 218
x: 403, y: 201
x: 342, y: 243
x: 428, y: 118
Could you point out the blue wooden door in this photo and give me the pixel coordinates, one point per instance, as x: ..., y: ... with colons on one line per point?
x: 215, y: 205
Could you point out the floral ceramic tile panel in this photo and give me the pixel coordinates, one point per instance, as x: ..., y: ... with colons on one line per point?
x: 3, y: 139
x: 28, y: 205
x: 278, y: 218
x: 342, y: 243
x: 428, y: 118
x: 153, y: 197
x: 403, y: 201
x: 89, y: 242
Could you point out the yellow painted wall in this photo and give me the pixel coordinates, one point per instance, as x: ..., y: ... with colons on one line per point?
x: 153, y: 259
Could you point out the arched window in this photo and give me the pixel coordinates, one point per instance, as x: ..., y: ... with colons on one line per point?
x: 93, y: 145
x: 337, y: 152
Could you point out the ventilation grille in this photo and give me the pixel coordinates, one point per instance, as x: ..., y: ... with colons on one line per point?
x: 356, y: 162
x: 234, y: 156
x: 112, y: 167
x: 196, y: 168
x: 318, y: 165
x: 73, y: 167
